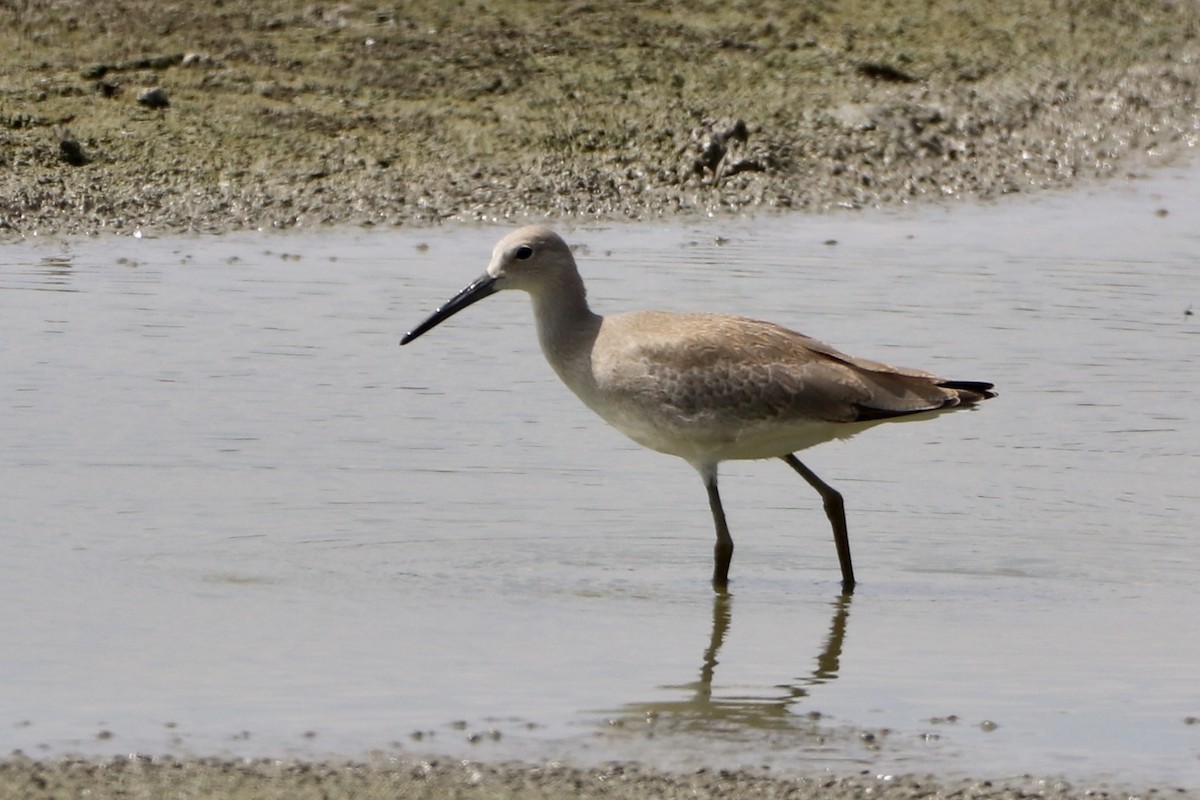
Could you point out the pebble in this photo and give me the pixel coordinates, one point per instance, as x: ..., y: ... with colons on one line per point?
x: 154, y: 98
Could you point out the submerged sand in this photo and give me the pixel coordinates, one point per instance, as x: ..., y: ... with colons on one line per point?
x: 280, y: 114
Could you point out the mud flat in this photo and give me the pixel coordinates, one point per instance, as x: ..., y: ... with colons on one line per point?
x: 137, y: 778
x: 220, y: 116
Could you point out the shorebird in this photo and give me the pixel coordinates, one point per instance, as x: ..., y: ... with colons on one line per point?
x: 706, y: 387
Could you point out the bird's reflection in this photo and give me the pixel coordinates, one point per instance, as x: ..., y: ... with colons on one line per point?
x: 699, y: 710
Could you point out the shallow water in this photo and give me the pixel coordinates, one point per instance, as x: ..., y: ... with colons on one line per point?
x: 238, y: 519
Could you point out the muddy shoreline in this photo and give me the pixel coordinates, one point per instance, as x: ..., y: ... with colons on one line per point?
x: 173, y: 118
x: 144, y: 777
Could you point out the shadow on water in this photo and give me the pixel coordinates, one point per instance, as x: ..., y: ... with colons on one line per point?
x: 705, y: 710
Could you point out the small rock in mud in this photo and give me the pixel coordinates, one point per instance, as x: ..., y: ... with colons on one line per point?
x: 154, y: 98
x: 71, y: 151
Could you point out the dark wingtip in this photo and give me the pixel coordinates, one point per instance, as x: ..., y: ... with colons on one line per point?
x: 968, y: 394
x: 973, y: 391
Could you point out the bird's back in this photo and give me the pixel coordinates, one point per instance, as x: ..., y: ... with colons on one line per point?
x: 744, y: 387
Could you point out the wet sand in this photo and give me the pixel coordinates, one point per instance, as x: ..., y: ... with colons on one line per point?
x: 136, y: 778
x: 282, y: 115
x: 214, y: 117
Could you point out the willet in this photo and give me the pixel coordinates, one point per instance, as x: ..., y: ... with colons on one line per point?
x: 706, y: 387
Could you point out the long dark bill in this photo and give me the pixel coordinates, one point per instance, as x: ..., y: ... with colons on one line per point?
x: 478, y: 290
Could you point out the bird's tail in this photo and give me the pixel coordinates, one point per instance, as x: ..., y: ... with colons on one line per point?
x: 970, y: 392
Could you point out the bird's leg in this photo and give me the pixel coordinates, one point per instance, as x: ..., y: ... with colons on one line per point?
x: 723, y: 552
x: 835, y: 509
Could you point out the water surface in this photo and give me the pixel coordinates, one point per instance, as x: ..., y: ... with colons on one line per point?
x: 238, y: 519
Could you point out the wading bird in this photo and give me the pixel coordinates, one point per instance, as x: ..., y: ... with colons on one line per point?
x: 706, y: 387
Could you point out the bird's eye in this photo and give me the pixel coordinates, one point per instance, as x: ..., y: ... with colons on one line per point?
x: 523, y: 252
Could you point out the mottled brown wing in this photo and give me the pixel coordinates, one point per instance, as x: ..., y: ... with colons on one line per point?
x: 706, y: 364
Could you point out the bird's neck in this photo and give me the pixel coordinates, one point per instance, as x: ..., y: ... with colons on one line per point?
x: 567, y: 327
